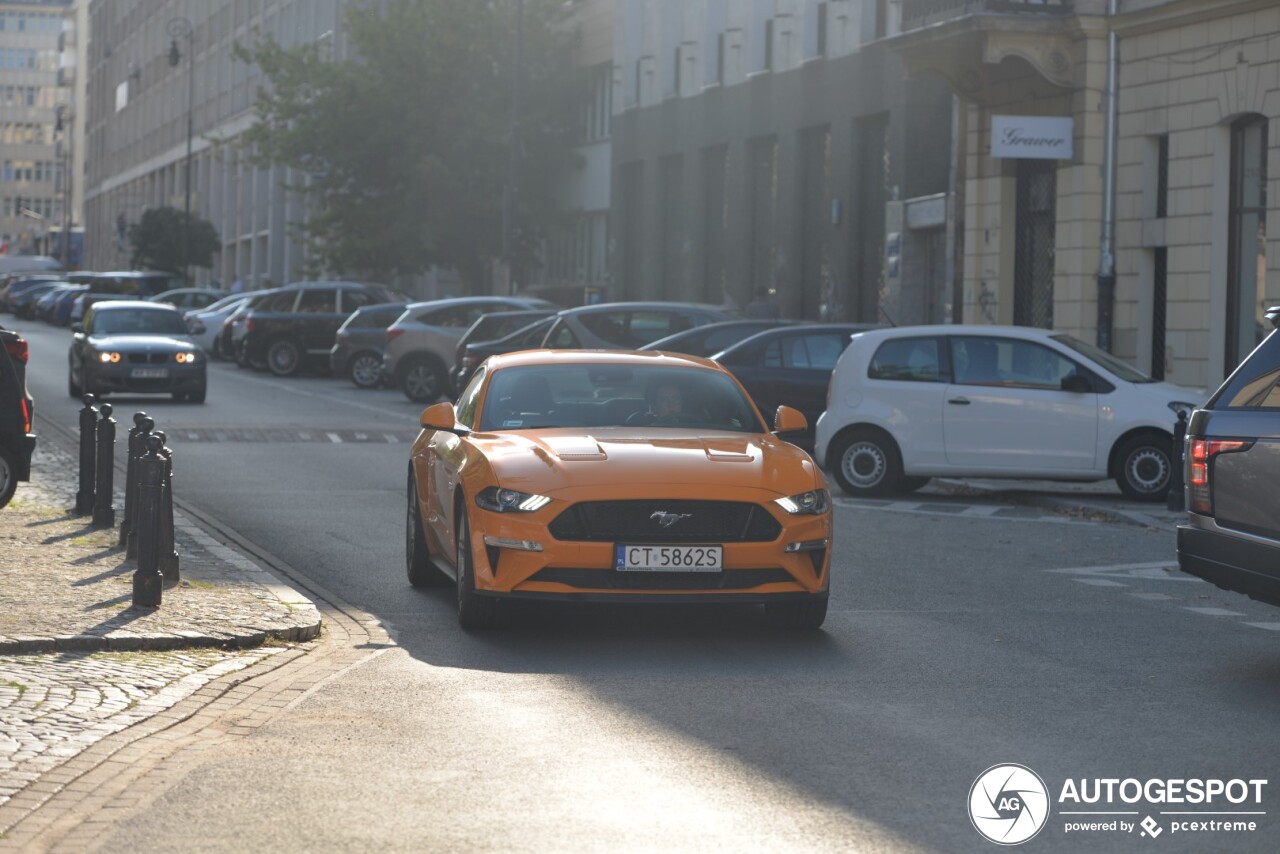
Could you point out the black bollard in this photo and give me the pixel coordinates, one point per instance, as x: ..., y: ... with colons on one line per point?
x: 104, y: 514
x: 1177, y: 499
x: 134, y: 446
x: 147, y: 580
x: 145, y: 426
x: 88, y: 448
x: 168, y: 553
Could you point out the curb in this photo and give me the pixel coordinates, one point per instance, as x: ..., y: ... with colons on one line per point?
x: 1067, y: 506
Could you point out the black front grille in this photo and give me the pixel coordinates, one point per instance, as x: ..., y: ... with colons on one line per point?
x: 144, y: 358
x: 610, y: 579
x: 641, y: 522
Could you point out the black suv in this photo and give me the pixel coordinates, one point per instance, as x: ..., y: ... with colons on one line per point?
x: 1232, y: 534
x: 300, y: 322
x: 17, y: 415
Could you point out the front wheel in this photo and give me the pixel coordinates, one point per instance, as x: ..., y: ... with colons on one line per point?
x: 474, y: 611
x: 421, y: 569
x: 1144, y: 467
x: 73, y: 389
x: 866, y: 463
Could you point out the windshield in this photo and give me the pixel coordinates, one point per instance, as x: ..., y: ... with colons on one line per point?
x: 142, y: 321
x: 593, y: 396
x: 1123, y: 370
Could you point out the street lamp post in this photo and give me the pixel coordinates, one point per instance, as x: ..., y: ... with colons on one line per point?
x: 181, y: 28
x: 513, y: 154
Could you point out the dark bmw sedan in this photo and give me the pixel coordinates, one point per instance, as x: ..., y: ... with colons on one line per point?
x: 135, y: 347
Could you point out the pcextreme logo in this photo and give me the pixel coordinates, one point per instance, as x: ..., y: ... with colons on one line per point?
x: 1008, y: 804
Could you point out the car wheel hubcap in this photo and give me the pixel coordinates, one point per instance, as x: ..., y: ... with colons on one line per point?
x: 421, y: 382
x: 1148, y: 470
x: 283, y: 357
x: 864, y: 464
x: 365, y: 370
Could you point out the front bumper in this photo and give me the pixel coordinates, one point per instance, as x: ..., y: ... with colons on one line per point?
x: 753, y: 572
x: 102, y: 379
x: 1245, y: 565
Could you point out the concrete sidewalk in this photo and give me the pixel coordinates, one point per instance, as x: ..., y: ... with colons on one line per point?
x: 67, y: 586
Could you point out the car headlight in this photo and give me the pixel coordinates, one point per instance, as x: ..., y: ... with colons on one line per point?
x: 510, y: 501
x: 185, y: 358
x: 811, y: 503
x: 108, y: 358
x: 1179, y: 407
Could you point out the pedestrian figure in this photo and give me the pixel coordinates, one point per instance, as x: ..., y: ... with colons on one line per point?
x: 763, y: 307
x: 237, y: 286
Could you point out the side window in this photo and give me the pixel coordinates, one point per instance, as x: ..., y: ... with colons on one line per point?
x: 825, y: 350
x: 470, y: 399
x: 1008, y: 362
x: 910, y: 359
x: 561, y: 337
x: 610, y: 326
x: 1256, y: 383
x: 353, y: 299
x: 453, y: 316
x: 645, y: 327
x: 320, y: 301
x: 281, y: 302
x: 772, y: 354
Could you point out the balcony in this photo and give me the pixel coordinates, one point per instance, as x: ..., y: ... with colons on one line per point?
x: 1019, y: 48
x: 922, y: 13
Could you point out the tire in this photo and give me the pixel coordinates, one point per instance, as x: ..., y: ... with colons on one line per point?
x: 797, y: 616
x: 1144, y: 465
x: 365, y: 369
x: 8, y: 476
x: 421, y: 569
x: 474, y: 611
x: 866, y: 463
x: 199, y: 394
x: 423, y: 380
x: 73, y: 390
x: 284, y: 357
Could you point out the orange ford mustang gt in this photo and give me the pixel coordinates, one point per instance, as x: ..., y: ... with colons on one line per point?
x: 593, y: 476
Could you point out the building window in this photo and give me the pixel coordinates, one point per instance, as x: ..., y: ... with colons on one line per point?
x: 1159, y: 311
x: 1247, y: 262
x: 676, y: 78
x: 824, y: 13
x: 720, y: 57
x: 768, y: 44
x: 882, y: 19
x: 1162, y: 177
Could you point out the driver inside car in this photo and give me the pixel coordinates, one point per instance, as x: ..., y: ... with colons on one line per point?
x: 666, y: 403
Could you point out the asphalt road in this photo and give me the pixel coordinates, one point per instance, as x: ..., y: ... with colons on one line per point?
x: 957, y: 640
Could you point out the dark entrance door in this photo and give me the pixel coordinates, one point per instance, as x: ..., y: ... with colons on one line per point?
x: 1034, y: 236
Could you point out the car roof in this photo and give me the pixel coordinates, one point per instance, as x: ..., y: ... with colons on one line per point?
x: 117, y: 305
x: 1028, y: 332
x: 643, y: 306
x: 526, y: 358
x: 448, y: 301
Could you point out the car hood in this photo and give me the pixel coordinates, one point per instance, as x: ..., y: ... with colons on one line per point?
x: 142, y: 343
x: 1168, y: 393
x: 545, y: 461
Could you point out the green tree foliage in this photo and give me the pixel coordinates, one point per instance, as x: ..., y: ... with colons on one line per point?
x: 406, y: 147
x: 157, y: 241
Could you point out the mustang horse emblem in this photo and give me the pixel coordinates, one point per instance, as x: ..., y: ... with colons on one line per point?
x: 666, y: 519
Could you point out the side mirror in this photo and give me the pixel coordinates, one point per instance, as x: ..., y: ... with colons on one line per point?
x: 788, y: 420
x: 1077, y: 384
x: 441, y: 416
x: 77, y: 327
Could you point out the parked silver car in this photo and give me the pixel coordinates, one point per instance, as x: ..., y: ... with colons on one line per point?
x: 422, y: 343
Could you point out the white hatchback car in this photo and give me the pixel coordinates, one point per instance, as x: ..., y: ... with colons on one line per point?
x: 911, y: 403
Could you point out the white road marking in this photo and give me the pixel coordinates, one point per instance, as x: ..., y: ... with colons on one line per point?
x: 335, y: 438
x: 926, y: 509
x: 1099, y: 582
x: 1271, y: 627
x: 1214, y: 612
x: 981, y: 510
x: 1154, y: 571
x: 361, y: 437
x: 391, y: 439
x: 1153, y: 597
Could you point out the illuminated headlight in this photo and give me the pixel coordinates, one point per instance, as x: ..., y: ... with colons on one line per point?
x: 1181, y: 408
x: 811, y: 503
x: 509, y: 501
x: 109, y: 358
x: 185, y: 358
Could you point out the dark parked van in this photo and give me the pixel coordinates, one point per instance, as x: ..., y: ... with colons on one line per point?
x: 17, y: 415
x: 1232, y: 534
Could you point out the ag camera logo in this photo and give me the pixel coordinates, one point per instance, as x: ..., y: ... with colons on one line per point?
x: 1008, y: 804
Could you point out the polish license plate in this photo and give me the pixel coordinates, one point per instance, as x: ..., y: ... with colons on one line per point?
x: 668, y: 558
x: 149, y: 373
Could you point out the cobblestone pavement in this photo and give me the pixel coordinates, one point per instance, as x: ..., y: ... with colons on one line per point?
x: 66, y: 590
